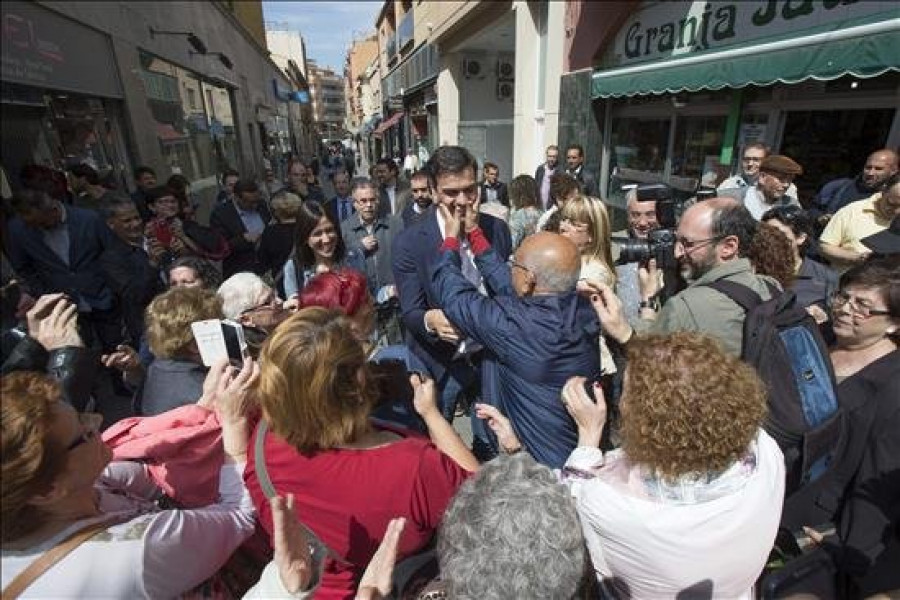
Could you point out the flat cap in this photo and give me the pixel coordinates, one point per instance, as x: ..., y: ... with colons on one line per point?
x: 776, y: 163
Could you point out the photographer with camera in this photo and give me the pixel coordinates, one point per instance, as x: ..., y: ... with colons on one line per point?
x: 710, y: 245
x: 642, y: 220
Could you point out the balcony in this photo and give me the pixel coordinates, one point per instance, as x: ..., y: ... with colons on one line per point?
x: 390, y: 46
x: 405, y: 32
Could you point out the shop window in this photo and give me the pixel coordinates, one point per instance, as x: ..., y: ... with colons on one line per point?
x: 197, y: 138
x: 830, y: 144
x: 638, y: 153
x: 695, y: 156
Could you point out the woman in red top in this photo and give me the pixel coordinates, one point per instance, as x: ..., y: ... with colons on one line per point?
x: 349, y: 479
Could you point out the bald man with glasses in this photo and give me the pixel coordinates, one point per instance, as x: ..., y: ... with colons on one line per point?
x: 711, y: 244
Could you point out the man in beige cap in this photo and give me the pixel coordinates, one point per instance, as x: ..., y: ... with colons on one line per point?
x: 776, y: 174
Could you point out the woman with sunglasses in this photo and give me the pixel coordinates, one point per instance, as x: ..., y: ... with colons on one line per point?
x: 814, y: 283
x: 62, y: 492
x: 866, y: 357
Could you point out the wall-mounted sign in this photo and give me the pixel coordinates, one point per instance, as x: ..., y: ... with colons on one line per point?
x: 44, y: 49
x: 669, y: 29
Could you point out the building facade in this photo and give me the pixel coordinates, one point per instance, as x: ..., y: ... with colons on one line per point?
x: 672, y: 91
x: 481, y: 74
x: 287, y: 49
x: 329, y: 104
x: 120, y: 84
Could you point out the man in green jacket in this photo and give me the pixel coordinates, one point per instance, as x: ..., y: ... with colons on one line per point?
x: 712, y: 241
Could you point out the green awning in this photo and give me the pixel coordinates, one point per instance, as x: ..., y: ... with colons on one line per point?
x: 865, y: 51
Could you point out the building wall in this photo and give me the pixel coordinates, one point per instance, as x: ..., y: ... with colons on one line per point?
x: 250, y: 14
x: 128, y: 26
x: 287, y: 44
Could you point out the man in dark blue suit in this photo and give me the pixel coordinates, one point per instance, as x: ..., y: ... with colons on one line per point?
x: 417, y: 203
x: 536, y: 330
x: 56, y: 248
x: 452, y: 360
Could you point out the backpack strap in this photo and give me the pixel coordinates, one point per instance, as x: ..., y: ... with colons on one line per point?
x: 742, y: 295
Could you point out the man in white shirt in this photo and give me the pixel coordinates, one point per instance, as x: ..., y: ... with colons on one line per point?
x: 410, y: 163
x: 751, y: 159
x: 776, y: 175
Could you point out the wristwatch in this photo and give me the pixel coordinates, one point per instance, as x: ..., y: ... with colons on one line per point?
x: 652, y: 303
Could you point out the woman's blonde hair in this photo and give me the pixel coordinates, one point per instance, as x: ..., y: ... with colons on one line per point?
x: 32, y: 458
x: 688, y: 407
x: 170, y: 315
x: 591, y: 211
x: 315, y: 388
x: 285, y: 206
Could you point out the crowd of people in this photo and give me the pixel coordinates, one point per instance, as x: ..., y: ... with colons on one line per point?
x: 451, y: 386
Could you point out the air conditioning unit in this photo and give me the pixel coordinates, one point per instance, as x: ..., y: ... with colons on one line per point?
x: 506, y: 70
x: 473, y: 69
x: 505, y: 90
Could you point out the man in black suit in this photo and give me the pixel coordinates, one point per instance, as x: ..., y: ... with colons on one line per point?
x: 145, y: 180
x: 454, y: 363
x: 492, y: 189
x: 56, y: 248
x: 131, y: 272
x: 241, y: 222
x: 416, y: 203
x: 341, y: 205
x: 575, y: 167
x: 543, y: 174
x: 390, y: 187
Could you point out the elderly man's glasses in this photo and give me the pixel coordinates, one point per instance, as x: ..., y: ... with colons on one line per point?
x: 517, y: 265
x: 857, y: 306
x: 90, y: 428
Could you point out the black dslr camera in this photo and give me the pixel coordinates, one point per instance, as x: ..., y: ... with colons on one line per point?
x: 660, y: 243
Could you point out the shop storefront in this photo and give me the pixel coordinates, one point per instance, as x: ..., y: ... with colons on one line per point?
x: 684, y: 86
x: 61, y: 95
x: 421, y: 108
x: 193, y: 119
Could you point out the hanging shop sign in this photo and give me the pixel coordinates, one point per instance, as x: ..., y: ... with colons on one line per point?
x: 663, y: 30
x: 44, y: 49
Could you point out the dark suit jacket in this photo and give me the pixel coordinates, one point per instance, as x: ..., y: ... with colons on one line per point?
x: 532, y: 346
x: 44, y: 272
x: 500, y: 188
x: 409, y: 214
x: 331, y: 207
x: 415, y: 250
x: 384, y: 204
x: 134, y: 281
x: 539, y: 175
x: 226, y: 220
x: 588, y: 181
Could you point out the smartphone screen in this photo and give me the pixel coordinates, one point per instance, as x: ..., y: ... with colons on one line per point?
x: 234, y: 338
x: 219, y: 339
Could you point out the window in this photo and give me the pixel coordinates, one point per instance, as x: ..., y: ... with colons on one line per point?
x: 192, y: 98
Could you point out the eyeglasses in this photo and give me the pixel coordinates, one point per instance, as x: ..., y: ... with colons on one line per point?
x: 368, y: 200
x: 271, y: 304
x: 839, y: 299
x: 517, y: 265
x: 689, y: 245
x: 90, y: 427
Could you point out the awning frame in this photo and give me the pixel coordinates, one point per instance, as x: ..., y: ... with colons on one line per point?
x: 849, y: 33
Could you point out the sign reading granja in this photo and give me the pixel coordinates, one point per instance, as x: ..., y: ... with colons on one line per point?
x: 664, y: 29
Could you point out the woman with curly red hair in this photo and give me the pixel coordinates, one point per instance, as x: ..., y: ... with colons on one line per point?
x: 692, y: 499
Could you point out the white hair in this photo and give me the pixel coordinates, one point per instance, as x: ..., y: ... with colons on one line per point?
x: 241, y: 292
